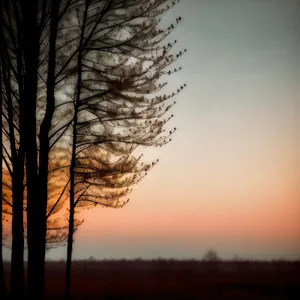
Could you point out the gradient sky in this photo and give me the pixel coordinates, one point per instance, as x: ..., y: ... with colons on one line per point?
x: 230, y: 179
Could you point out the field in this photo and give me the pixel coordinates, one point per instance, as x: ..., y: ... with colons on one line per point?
x: 172, y: 279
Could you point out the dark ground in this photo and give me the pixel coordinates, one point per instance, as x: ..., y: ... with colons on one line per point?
x: 171, y: 279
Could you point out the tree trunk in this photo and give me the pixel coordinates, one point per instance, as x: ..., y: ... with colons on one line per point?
x: 17, y: 254
x: 2, y: 278
x: 35, y: 219
x: 73, y: 159
x: 44, y: 132
x: 69, y: 253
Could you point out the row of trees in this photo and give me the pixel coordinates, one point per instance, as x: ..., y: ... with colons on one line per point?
x: 81, y: 84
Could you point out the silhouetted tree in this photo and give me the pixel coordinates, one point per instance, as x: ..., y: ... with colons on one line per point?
x: 13, y: 151
x: 31, y: 30
x: 211, y: 256
x: 25, y: 27
x: 79, y: 78
x: 118, y: 60
x: 2, y: 278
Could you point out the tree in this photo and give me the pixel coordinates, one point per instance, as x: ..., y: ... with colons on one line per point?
x: 27, y: 24
x: 2, y: 278
x: 79, y: 78
x: 24, y: 25
x: 9, y: 129
x: 211, y: 256
x: 111, y: 90
x: 19, y: 67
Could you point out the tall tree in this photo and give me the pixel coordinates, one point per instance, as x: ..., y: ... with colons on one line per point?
x: 11, y: 69
x: 22, y: 27
x: 2, y: 278
x: 36, y: 214
x: 110, y: 109
x: 80, y: 78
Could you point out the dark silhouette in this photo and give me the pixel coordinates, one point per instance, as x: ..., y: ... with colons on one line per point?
x: 21, y: 25
x: 79, y: 79
x: 14, y: 149
x: 2, y: 278
x: 211, y: 256
x: 112, y: 93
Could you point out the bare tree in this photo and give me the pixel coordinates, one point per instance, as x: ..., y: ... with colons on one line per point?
x: 2, y: 278
x: 80, y: 77
x: 211, y: 256
x: 24, y: 26
x: 118, y: 60
x: 13, y: 150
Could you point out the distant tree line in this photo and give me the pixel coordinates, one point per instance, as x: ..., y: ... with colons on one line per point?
x: 81, y: 89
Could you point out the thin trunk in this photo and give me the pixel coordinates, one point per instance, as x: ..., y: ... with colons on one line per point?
x: 73, y: 161
x: 69, y: 250
x: 28, y: 110
x: 17, y: 254
x: 2, y: 278
x: 44, y: 136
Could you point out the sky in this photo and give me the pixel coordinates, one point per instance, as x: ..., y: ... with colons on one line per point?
x: 230, y: 178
